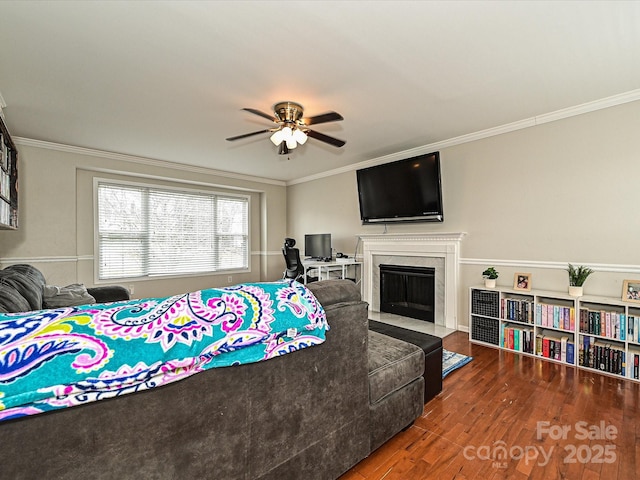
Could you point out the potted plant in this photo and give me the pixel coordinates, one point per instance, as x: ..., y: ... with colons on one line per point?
x: 490, y: 276
x: 577, y: 277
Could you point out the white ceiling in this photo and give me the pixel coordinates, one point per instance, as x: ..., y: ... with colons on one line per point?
x: 167, y: 80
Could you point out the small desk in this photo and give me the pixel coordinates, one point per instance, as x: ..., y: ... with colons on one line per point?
x: 336, y: 267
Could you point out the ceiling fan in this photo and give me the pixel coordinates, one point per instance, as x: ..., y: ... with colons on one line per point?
x: 292, y: 128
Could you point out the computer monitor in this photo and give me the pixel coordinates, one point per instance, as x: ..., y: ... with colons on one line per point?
x: 318, y: 246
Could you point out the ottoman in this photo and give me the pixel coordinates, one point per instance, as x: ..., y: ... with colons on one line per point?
x: 430, y: 344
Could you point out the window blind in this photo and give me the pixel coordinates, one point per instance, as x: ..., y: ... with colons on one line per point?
x: 151, y: 231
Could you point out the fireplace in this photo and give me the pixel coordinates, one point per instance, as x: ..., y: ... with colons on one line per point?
x: 408, y: 291
x: 438, y: 250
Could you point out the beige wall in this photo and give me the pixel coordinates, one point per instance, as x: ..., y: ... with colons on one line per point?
x: 530, y: 201
x: 56, y: 217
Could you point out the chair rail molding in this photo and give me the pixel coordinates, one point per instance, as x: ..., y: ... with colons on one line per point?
x: 435, y: 245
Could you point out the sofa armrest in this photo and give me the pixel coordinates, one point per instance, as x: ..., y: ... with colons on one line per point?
x: 109, y: 293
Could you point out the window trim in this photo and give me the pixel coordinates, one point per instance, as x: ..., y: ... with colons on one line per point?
x: 176, y: 188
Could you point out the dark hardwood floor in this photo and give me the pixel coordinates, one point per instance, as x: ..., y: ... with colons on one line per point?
x: 509, y: 416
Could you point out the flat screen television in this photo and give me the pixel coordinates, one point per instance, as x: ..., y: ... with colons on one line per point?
x: 317, y: 246
x: 407, y: 190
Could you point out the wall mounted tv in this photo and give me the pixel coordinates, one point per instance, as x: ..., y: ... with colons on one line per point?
x: 407, y: 190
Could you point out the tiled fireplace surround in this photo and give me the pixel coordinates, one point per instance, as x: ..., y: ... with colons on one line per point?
x: 438, y: 250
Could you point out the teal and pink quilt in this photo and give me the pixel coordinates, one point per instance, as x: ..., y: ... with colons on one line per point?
x: 52, y: 359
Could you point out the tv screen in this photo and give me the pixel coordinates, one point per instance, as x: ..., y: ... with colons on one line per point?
x: 317, y: 246
x: 407, y: 190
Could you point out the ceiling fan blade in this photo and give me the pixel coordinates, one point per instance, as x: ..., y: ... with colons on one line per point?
x: 261, y: 114
x: 238, y: 137
x: 283, y: 149
x: 325, y: 138
x: 323, y: 118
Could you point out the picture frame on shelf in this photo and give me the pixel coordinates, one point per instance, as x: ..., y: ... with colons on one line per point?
x: 522, y: 282
x: 631, y: 291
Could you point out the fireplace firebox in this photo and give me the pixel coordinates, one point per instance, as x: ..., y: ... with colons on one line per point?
x: 408, y: 291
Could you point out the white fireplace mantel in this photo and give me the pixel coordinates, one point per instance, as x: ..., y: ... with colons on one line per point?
x: 436, y: 245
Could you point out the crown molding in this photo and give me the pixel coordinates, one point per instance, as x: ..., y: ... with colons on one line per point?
x: 588, y: 107
x: 612, y: 101
x: 29, y: 142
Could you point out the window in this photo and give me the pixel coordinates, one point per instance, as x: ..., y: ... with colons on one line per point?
x: 146, y: 231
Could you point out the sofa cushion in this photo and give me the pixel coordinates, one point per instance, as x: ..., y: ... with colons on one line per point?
x: 11, y: 301
x: 21, y: 288
x: 392, y: 365
x: 430, y: 344
x: 69, y: 296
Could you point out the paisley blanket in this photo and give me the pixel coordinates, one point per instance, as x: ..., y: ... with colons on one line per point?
x: 51, y: 359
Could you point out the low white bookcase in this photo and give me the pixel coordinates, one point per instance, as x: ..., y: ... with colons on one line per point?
x: 593, y: 333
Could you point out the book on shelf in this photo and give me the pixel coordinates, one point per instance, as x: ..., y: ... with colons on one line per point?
x: 633, y: 328
x: 594, y: 322
x: 572, y: 318
x: 603, y: 356
x: 570, y: 353
x: 603, y: 323
x: 555, y: 316
x: 539, y: 344
x: 563, y: 348
x: 546, y: 346
x: 554, y: 345
x: 517, y: 310
x: 581, y: 357
x: 555, y: 349
x: 585, y: 353
x: 515, y: 337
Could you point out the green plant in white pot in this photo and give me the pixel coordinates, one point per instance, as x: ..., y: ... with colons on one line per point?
x: 490, y: 275
x: 577, y: 277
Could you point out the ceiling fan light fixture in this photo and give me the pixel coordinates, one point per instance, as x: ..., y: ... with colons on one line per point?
x: 277, y: 137
x: 292, y: 127
x: 287, y: 133
x: 291, y: 143
x: 299, y: 136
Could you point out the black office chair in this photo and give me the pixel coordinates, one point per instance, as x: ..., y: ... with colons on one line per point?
x: 294, y: 267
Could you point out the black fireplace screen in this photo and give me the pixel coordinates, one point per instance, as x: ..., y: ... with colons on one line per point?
x: 408, y: 291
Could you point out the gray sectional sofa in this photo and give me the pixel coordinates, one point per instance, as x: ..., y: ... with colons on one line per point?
x: 23, y: 288
x: 310, y: 414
